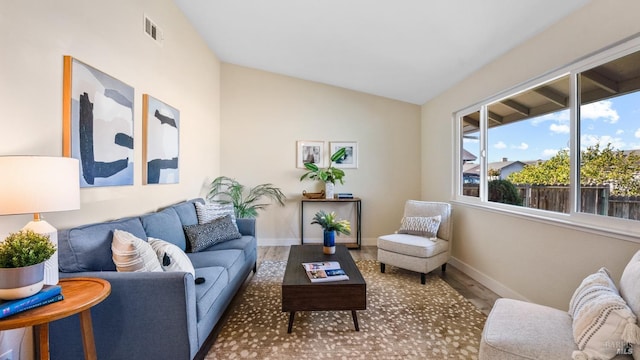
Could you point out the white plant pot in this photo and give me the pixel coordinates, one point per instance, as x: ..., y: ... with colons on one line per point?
x: 22, y: 282
x: 328, y: 190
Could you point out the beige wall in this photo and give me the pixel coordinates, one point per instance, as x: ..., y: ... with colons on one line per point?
x: 263, y: 115
x: 517, y: 256
x: 109, y: 36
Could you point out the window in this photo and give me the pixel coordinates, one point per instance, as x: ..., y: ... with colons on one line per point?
x: 567, y: 143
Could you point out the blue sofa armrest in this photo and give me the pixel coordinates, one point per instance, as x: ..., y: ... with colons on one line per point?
x: 247, y: 227
x: 148, y: 315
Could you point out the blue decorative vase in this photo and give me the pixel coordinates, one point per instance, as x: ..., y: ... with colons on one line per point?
x: 329, y: 245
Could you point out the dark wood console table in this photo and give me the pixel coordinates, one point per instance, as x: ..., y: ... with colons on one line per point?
x: 357, y: 227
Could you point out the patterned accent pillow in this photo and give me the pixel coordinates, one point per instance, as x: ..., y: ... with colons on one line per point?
x: 421, y: 226
x: 603, y: 323
x: 171, y: 257
x: 132, y: 254
x: 202, y: 236
x: 210, y: 211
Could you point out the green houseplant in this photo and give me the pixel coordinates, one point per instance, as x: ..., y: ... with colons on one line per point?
x: 328, y: 175
x: 225, y: 190
x: 331, y: 226
x: 22, y: 257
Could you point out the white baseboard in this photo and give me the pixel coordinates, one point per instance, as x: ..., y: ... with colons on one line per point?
x: 491, y: 283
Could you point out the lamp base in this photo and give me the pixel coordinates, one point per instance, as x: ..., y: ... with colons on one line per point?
x: 42, y: 227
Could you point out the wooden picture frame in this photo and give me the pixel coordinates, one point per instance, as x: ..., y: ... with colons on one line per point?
x: 97, y: 124
x: 310, y: 151
x: 160, y: 142
x: 351, y: 159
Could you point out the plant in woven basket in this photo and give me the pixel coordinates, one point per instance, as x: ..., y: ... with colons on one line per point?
x: 25, y: 248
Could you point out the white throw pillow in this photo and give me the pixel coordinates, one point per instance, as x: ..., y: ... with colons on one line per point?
x: 421, y: 226
x: 603, y: 323
x: 171, y: 257
x: 131, y: 253
x: 210, y: 211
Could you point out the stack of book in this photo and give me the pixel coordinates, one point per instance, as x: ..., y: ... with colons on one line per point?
x: 48, y: 295
x: 325, y: 271
x: 344, y: 196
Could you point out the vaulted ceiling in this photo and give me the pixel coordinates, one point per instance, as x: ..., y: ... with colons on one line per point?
x: 409, y: 50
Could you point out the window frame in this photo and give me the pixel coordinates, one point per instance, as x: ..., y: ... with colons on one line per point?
x: 598, y: 224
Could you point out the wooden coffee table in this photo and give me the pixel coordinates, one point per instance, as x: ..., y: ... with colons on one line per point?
x: 300, y: 294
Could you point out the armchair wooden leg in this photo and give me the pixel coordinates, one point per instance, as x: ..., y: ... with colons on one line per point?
x: 382, y: 268
x: 423, y: 278
x: 444, y: 267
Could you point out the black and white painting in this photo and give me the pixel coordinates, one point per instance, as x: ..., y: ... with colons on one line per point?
x: 161, y: 143
x: 310, y: 152
x: 350, y: 159
x: 98, y: 125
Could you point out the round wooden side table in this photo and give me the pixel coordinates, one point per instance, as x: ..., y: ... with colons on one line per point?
x: 80, y: 294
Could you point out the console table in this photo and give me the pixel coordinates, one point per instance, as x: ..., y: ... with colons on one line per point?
x: 357, y: 228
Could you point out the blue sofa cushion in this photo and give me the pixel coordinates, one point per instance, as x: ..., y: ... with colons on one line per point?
x: 165, y: 225
x: 231, y: 260
x: 88, y: 247
x: 187, y: 211
x: 216, y: 279
x: 247, y: 244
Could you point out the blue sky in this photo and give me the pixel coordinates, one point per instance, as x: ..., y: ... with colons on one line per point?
x: 615, y: 121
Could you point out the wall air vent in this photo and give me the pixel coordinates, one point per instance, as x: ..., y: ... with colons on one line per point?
x: 151, y: 29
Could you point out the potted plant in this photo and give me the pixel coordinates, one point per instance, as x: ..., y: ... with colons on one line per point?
x: 225, y: 190
x: 331, y: 227
x: 328, y: 175
x: 22, y: 257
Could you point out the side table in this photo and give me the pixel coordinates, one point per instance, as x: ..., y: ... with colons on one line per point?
x: 80, y: 294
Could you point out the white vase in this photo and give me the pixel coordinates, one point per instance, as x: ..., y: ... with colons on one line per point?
x: 328, y: 190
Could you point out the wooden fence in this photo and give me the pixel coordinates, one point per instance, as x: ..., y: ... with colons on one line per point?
x: 593, y: 200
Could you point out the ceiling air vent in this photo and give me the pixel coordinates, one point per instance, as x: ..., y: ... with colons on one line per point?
x: 151, y: 29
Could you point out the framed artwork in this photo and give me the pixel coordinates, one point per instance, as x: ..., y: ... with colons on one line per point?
x: 350, y: 160
x: 160, y: 142
x: 97, y: 115
x: 310, y: 152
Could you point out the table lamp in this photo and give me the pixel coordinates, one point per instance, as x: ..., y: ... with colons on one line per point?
x: 39, y: 184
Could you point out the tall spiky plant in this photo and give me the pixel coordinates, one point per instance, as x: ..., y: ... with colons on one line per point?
x: 225, y: 190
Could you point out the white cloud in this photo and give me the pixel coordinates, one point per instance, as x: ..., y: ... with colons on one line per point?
x: 620, y: 132
x: 600, y: 110
x: 500, y: 145
x: 637, y: 133
x: 591, y: 140
x: 560, y: 117
x: 522, y: 146
x: 547, y: 153
x: 559, y: 129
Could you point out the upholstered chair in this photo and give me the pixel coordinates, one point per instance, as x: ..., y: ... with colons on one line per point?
x: 414, y: 247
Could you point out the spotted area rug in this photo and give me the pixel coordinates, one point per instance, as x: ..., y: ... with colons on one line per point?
x: 403, y: 320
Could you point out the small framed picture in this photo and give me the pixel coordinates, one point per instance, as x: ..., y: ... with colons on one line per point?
x: 310, y: 152
x: 350, y: 160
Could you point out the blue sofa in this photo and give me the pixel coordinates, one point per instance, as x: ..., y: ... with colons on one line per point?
x: 152, y: 315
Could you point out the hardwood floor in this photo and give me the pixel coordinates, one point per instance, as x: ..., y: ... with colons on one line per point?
x: 473, y: 291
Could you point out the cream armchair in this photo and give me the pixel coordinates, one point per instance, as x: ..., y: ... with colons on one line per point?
x: 415, y: 252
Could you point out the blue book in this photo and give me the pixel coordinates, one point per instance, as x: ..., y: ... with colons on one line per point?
x: 15, y: 306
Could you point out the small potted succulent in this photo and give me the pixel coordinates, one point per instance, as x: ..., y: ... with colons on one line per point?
x: 328, y: 175
x: 22, y: 257
x: 331, y: 227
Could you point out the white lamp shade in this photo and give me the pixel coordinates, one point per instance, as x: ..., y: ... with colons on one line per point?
x: 37, y: 184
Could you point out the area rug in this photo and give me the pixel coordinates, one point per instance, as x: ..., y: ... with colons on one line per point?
x: 403, y: 320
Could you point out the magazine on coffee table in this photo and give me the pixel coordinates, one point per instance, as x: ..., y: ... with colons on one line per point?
x: 327, y: 275
x: 321, y: 265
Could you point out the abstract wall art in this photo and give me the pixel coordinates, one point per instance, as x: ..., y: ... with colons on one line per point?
x: 160, y: 142
x: 97, y: 125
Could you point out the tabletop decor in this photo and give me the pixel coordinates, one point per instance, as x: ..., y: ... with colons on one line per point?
x: 328, y: 175
x: 331, y: 227
x: 22, y: 257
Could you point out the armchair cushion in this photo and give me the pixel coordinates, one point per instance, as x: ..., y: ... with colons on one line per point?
x: 426, y: 226
x: 412, y: 245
